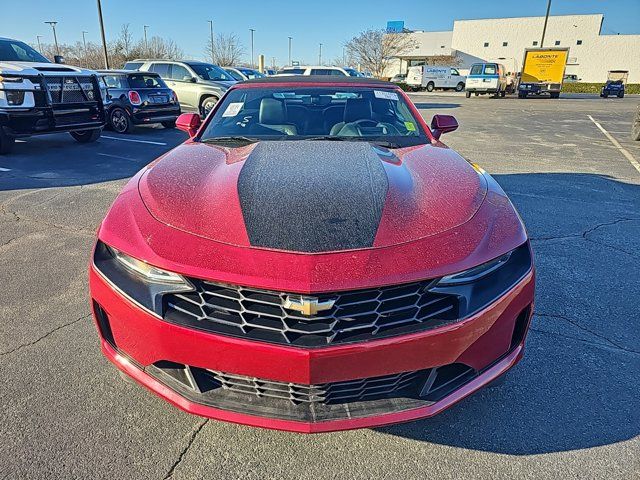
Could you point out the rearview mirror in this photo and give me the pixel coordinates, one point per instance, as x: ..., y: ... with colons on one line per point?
x: 189, y: 122
x: 442, y: 124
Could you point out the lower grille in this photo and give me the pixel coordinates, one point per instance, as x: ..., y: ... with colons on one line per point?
x: 328, y: 401
x: 349, y: 316
x: 70, y: 89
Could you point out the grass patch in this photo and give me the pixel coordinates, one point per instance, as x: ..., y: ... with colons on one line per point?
x: 580, y: 87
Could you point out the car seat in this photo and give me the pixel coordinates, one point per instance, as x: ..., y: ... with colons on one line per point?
x: 273, y: 115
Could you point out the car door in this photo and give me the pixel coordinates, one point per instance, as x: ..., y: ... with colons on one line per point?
x: 185, y: 87
x: 454, y: 78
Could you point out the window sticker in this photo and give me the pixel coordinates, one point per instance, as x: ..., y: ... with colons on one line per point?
x: 233, y: 109
x: 410, y: 126
x: 386, y: 95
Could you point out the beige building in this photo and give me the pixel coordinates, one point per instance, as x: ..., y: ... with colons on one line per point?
x: 591, y: 54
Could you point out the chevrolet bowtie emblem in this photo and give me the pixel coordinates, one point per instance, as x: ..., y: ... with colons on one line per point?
x: 307, y: 305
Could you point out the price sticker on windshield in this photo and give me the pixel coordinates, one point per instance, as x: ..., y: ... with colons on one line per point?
x: 386, y: 95
x: 233, y: 109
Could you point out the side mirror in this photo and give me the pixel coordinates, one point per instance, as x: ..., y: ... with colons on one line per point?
x: 191, y: 79
x: 442, y: 124
x: 189, y: 122
x: 58, y: 59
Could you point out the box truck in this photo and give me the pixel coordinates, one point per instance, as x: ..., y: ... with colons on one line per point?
x: 542, y: 71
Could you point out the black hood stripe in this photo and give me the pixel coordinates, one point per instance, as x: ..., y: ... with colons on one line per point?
x: 312, y: 196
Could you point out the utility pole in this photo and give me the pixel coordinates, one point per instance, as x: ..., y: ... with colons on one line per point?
x: 38, y: 37
x: 252, y: 30
x: 104, y: 39
x: 344, y: 58
x: 546, y: 19
x: 211, y: 29
x: 146, y: 44
x: 320, y: 55
x: 55, y: 38
x: 290, y: 38
x: 86, y: 55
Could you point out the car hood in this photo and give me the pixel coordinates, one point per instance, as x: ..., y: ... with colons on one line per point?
x: 220, y: 83
x: 312, y: 196
x: 47, y: 69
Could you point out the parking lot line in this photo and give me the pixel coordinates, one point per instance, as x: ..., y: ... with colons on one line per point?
x: 2, y: 169
x: 133, y: 140
x: 616, y: 144
x: 117, y: 156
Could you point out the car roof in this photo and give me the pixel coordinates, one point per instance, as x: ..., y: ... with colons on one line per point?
x: 329, y: 80
x: 126, y: 72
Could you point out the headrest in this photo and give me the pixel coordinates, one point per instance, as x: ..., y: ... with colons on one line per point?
x: 357, y: 109
x: 272, y: 112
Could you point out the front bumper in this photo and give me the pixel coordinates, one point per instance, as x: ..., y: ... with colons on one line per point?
x: 40, y: 120
x: 489, y: 343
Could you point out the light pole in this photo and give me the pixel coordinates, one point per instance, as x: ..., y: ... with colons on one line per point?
x: 104, y: 40
x: 252, y: 30
x: 320, y: 55
x: 55, y: 38
x: 146, y: 45
x: 546, y: 19
x: 38, y: 37
x: 84, y: 42
x: 211, y: 31
x: 344, y: 58
x: 290, y: 38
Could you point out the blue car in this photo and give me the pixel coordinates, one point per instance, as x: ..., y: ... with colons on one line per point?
x: 615, y: 84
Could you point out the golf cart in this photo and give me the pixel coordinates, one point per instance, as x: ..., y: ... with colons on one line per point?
x: 615, y: 83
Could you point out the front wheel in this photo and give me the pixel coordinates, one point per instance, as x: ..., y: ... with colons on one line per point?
x: 169, y: 124
x: 430, y: 87
x: 460, y: 87
x: 522, y: 95
x: 207, y: 105
x: 620, y: 94
x: 6, y: 142
x: 467, y: 94
x: 503, y: 93
x: 555, y: 94
x: 87, y: 136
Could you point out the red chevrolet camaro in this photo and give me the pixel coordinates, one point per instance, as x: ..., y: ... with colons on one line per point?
x: 312, y: 259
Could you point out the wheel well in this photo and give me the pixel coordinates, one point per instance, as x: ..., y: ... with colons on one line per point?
x: 204, y: 96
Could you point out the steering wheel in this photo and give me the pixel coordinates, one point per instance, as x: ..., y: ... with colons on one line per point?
x: 362, y: 121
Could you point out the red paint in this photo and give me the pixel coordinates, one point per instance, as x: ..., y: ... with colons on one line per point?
x: 182, y: 213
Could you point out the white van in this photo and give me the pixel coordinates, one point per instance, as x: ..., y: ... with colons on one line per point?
x: 430, y: 77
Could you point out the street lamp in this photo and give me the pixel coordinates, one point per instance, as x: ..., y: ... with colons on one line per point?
x: 146, y: 44
x: 320, y: 55
x: 252, y: 30
x: 290, y: 38
x: 104, y: 40
x: 211, y: 28
x: 55, y: 38
x: 84, y: 42
x: 38, y: 37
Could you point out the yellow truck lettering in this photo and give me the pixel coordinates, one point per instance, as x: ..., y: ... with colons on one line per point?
x: 544, y: 66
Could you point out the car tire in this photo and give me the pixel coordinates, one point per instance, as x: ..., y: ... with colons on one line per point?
x: 6, y: 142
x: 467, y: 94
x: 460, y: 87
x: 169, y: 124
x: 555, y: 94
x: 503, y: 93
x: 120, y: 121
x: 522, y: 95
x: 430, y: 87
x: 620, y: 94
x: 476, y: 94
x: 207, y: 104
x: 86, y: 136
x: 604, y: 95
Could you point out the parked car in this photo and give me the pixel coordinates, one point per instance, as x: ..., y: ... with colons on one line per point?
x: 136, y: 98
x: 319, y: 70
x: 428, y: 77
x: 399, y: 78
x: 37, y: 96
x: 486, y: 78
x: 571, y: 78
x: 270, y: 71
x: 198, y: 85
x: 616, y: 80
x: 241, y: 74
x: 313, y: 258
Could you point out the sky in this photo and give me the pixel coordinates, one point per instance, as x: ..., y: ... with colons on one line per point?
x: 330, y: 22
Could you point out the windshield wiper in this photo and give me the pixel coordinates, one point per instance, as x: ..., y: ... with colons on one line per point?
x: 335, y: 138
x: 329, y: 137
x: 232, y: 139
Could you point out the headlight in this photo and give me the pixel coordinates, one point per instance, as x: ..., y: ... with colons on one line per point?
x: 483, y: 284
x: 4, y: 78
x: 141, y: 282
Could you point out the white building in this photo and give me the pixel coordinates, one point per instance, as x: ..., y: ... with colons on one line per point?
x: 591, y: 54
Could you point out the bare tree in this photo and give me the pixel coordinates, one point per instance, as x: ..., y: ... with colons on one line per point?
x: 226, y: 51
x: 374, y: 49
x: 445, y: 60
x: 125, y: 39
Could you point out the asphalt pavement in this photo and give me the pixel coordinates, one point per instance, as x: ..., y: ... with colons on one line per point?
x: 570, y: 409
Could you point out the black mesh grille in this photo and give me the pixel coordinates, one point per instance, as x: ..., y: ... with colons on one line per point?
x: 354, y: 315
x: 70, y: 89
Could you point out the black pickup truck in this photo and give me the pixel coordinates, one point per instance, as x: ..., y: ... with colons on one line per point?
x: 37, y: 97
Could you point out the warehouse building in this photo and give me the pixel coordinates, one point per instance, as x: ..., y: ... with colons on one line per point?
x: 591, y: 54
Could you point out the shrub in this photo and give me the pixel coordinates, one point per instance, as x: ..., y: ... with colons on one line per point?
x: 580, y: 87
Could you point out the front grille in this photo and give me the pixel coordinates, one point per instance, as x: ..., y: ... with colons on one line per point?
x: 355, y: 315
x: 328, y: 401
x: 70, y: 89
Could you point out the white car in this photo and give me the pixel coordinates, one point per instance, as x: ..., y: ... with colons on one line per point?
x: 320, y: 70
x: 37, y: 96
x: 430, y: 77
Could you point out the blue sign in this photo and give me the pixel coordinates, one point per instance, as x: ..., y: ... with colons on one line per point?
x: 395, y: 26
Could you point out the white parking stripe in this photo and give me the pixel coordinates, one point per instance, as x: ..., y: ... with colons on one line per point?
x: 616, y: 144
x: 133, y: 140
x: 2, y: 169
x: 117, y: 156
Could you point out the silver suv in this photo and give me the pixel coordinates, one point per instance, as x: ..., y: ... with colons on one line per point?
x: 198, y: 85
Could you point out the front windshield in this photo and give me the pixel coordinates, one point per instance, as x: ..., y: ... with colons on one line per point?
x: 251, y: 74
x: 207, y: 71
x: 14, y: 51
x: 352, y: 72
x: 315, y: 113
x: 234, y: 74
